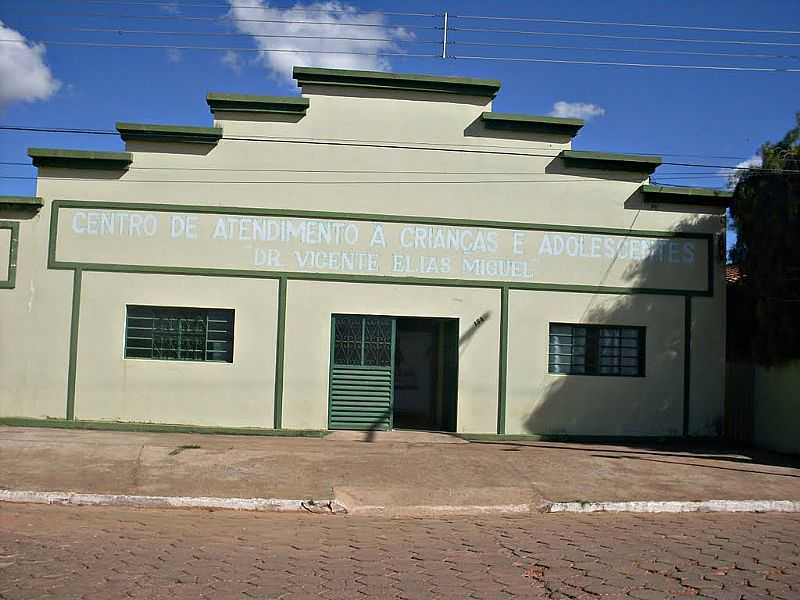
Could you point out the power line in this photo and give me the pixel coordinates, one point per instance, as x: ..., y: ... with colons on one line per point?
x: 119, y: 31
x: 219, y: 48
x: 627, y: 24
x: 629, y: 50
x: 324, y: 171
x: 618, y: 37
x: 225, y: 18
x: 222, y: 18
x: 323, y: 182
x: 411, y: 55
x: 624, y: 64
x: 239, y: 34
x: 185, y: 4
x: 383, y: 144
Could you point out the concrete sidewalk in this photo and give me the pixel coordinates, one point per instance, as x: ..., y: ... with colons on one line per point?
x: 397, y: 473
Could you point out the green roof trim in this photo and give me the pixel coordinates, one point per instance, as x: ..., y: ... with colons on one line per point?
x: 282, y: 105
x: 532, y: 123
x: 80, y: 159
x: 21, y: 201
x: 610, y: 161
x: 686, y: 195
x: 397, y: 81
x: 169, y: 133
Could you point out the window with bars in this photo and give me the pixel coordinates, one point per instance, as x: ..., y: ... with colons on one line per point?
x: 596, y: 350
x: 173, y: 333
x: 362, y: 341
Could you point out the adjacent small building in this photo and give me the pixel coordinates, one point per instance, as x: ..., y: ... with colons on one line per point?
x: 383, y: 251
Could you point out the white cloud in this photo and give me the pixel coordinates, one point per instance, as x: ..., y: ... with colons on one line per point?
x: 576, y: 110
x: 174, y: 55
x: 734, y: 174
x: 171, y: 8
x: 24, y: 76
x: 232, y: 60
x: 313, y: 50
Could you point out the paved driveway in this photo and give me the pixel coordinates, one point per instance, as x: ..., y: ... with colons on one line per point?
x: 98, y: 553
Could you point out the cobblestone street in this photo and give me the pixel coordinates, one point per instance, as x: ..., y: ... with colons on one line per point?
x: 65, y: 552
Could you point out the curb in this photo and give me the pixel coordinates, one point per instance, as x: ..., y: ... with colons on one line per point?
x: 336, y: 507
x: 133, y: 501
x: 718, y: 506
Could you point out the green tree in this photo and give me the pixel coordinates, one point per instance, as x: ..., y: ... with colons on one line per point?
x: 765, y: 314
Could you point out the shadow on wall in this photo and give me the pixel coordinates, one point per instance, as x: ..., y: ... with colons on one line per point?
x: 613, y: 405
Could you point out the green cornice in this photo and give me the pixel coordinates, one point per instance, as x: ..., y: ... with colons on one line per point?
x: 21, y: 201
x: 686, y: 195
x: 532, y: 123
x: 397, y: 81
x: 169, y: 133
x: 610, y: 161
x: 80, y: 159
x: 282, y: 105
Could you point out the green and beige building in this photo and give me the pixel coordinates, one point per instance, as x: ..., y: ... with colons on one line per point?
x: 382, y: 251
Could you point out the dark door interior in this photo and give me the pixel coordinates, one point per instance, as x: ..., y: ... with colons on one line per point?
x: 426, y: 374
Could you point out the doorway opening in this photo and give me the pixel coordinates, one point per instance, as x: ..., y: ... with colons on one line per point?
x: 393, y: 373
x: 425, y: 374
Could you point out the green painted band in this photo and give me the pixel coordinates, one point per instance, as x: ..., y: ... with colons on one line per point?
x: 169, y: 133
x: 73, y: 343
x: 21, y: 201
x: 687, y: 364
x: 279, y: 354
x: 79, y: 159
x: 610, y: 161
x: 292, y: 105
x: 156, y: 427
x: 335, y: 277
x: 9, y: 283
x: 397, y: 81
x: 687, y: 195
x: 531, y: 123
x: 503, y: 376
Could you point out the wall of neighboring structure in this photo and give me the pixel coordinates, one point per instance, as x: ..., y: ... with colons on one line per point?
x: 777, y: 408
x: 392, y: 180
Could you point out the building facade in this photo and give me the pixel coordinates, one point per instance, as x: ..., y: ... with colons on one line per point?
x: 384, y: 251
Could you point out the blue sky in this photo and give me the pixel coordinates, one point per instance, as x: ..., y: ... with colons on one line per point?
x: 687, y: 115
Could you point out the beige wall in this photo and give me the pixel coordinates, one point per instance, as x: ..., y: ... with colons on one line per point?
x: 777, y: 408
x: 494, y: 184
x: 34, y: 329
x: 238, y: 394
x: 308, y: 328
x: 541, y: 403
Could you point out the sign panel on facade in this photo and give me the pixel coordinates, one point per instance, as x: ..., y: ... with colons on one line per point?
x: 289, y: 244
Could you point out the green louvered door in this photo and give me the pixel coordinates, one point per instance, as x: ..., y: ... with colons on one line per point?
x: 362, y: 372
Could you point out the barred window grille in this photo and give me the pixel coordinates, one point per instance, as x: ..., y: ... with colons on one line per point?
x: 596, y: 350
x: 362, y: 341
x: 175, y: 333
